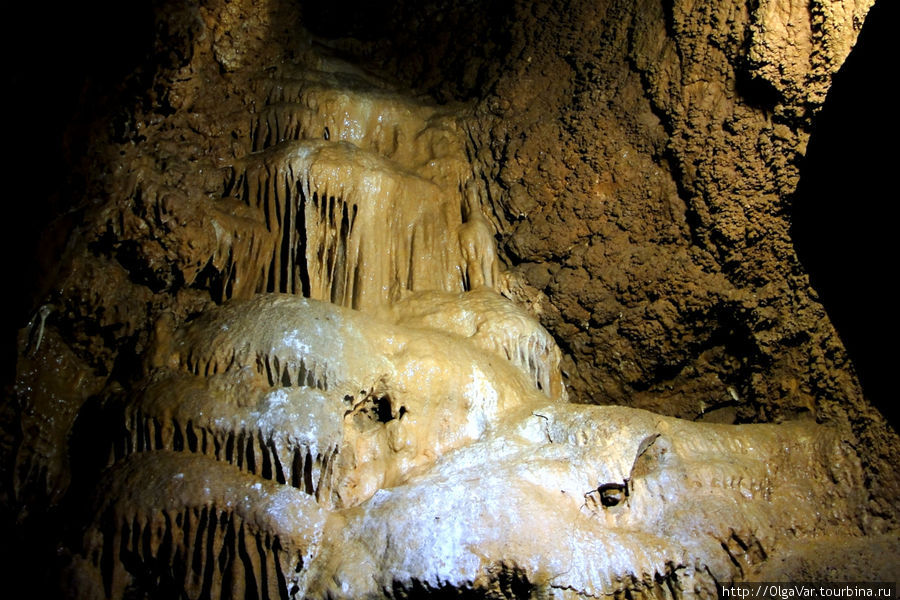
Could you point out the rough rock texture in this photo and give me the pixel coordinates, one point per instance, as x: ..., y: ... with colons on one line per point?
x: 291, y: 448
x: 641, y: 159
x: 633, y: 160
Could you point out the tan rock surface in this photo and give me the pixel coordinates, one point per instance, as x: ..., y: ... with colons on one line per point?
x: 595, y: 210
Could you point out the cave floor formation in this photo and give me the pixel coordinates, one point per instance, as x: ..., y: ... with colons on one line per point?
x: 288, y: 359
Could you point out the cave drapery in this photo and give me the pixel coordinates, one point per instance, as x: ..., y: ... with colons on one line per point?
x: 332, y: 294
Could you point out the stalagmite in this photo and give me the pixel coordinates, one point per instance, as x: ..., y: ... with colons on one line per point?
x: 482, y: 268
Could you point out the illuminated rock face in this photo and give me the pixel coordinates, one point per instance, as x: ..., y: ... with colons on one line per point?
x: 353, y: 195
x: 404, y: 430
x: 345, y: 395
x: 290, y: 448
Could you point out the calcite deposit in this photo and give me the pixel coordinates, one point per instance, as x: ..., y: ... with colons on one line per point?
x: 338, y: 309
x: 296, y: 449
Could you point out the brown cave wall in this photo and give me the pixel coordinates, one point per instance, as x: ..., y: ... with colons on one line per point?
x: 644, y: 165
x: 642, y: 159
x: 639, y: 157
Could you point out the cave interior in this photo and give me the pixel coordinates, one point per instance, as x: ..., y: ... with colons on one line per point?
x: 306, y: 285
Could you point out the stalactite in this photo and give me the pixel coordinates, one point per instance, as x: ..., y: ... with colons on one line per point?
x: 359, y: 188
x: 244, y: 247
x: 284, y: 341
x: 202, y: 523
x: 355, y: 228
x: 268, y: 428
x: 364, y: 112
x: 396, y: 459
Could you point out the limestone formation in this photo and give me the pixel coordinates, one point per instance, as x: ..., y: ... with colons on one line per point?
x: 291, y: 448
x: 319, y: 334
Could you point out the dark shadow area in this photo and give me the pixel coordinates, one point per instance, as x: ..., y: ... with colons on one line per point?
x: 66, y: 62
x: 449, y: 49
x: 359, y: 19
x: 844, y: 226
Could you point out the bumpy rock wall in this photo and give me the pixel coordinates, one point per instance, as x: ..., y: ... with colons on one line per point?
x: 633, y: 160
x: 641, y: 158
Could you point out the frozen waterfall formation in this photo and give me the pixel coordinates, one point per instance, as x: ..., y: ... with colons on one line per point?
x: 366, y: 415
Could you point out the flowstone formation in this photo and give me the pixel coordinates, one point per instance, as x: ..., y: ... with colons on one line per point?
x: 288, y: 448
x: 284, y: 358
